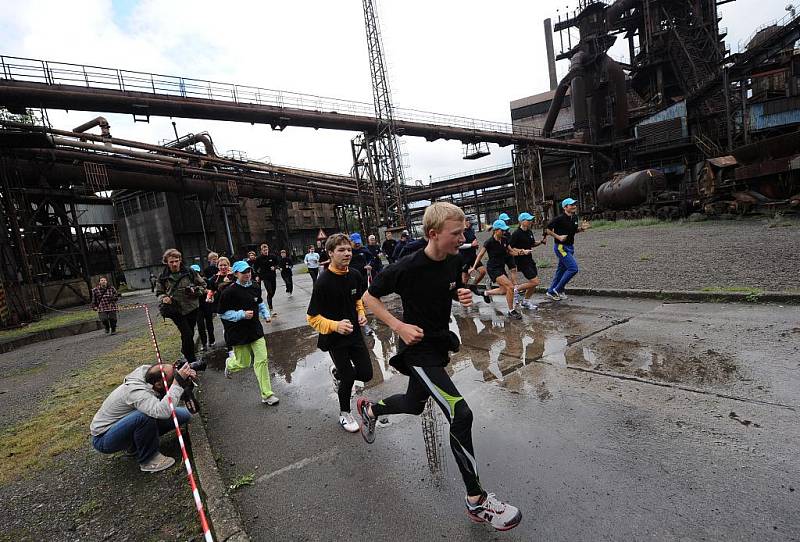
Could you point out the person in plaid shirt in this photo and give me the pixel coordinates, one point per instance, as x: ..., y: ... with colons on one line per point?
x: 104, y: 301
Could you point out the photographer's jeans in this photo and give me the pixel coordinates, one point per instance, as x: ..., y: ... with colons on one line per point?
x: 140, y: 431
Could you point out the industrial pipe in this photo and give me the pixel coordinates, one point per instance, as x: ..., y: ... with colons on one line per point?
x: 105, y: 128
x: 202, y: 137
x: 575, y: 70
x: 619, y: 89
x: 624, y: 192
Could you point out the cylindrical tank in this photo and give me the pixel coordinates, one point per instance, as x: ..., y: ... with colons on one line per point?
x: 624, y: 192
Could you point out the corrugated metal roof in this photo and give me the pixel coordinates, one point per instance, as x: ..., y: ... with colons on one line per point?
x: 674, y: 111
x: 760, y: 120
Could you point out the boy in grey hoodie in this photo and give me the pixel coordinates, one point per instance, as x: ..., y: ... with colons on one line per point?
x: 137, y: 413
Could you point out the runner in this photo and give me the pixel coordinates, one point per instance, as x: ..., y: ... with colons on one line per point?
x: 427, y: 282
x: 523, y: 242
x: 265, y: 266
x: 510, y: 263
x: 497, y: 249
x: 312, y: 263
x: 240, y: 307
x: 563, y: 229
x: 361, y: 261
x: 468, y: 251
x: 286, y: 262
x: 388, y: 246
x: 337, y: 313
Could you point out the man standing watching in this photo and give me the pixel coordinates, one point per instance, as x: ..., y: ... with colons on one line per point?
x: 522, y: 243
x: 137, y: 413
x: 104, y: 301
x: 388, y: 246
x: 563, y: 229
x: 240, y: 307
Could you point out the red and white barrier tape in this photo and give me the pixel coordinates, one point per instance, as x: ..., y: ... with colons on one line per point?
x: 195, y: 493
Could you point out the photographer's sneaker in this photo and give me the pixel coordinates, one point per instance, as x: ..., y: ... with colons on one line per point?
x: 348, y: 422
x: 334, y: 377
x: 367, y: 421
x: 157, y: 463
x: 272, y: 400
x: 502, y: 516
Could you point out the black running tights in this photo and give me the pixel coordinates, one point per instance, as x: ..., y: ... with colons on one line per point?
x: 352, y: 363
x: 435, y: 382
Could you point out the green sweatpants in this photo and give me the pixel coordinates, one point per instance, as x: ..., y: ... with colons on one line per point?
x: 241, y: 360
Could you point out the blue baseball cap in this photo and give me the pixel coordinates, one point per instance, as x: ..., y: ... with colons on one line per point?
x: 499, y: 225
x: 525, y: 216
x: 195, y: 267
x: 504, y: 216
x: 240, y: 267
x: 568, y: 201
x: 356, y: 238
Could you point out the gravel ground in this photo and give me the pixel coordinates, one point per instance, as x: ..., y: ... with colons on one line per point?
x: 686, y: 256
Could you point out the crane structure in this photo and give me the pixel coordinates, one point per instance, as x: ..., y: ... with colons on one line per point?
x: 378, y: 167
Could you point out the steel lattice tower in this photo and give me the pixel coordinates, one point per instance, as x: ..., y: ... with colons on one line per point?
x: 387, y: 171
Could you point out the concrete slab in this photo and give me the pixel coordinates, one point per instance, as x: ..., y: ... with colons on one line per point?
x: 601, y: 418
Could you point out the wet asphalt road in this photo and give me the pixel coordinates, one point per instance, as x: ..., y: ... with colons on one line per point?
x: 602, y: 419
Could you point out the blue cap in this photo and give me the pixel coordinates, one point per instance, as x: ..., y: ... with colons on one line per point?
x: 525, y: 216
x: 499, y: 225
x: 195, y: 267
x: 240, y: 266
x: 568, y: 201
x: 504, y: 216
x: 356, y: 238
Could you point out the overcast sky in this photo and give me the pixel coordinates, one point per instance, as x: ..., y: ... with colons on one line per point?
x: 463, y: 57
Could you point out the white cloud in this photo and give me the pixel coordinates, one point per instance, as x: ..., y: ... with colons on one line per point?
x: 467, y: 57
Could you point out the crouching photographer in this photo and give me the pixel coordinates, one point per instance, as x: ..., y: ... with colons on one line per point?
x: 137, y: 413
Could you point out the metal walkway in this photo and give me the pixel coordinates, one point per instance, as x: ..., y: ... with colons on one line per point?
x: 26, y: 82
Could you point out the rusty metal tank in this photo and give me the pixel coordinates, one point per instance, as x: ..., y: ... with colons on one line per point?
x: 626, y: 191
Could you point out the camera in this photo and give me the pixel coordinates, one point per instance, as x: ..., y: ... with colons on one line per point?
x: 188, y: 398
x: 196, y: 291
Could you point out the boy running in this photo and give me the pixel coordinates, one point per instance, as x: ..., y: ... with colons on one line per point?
x: 427, y: 282
x: 240, y: 306
x: 337, y: 313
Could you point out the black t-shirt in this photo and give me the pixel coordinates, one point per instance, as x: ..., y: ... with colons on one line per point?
x: 334, y: 297
x: 523, y: 239
x: 497, y: 251
x: 426, y: 287
x: 285, y: 263
x: 388, y: 247
x: 565, y: 225
x: 241, y: 298
x: 377, y: 264
x: 266, y: 265
x: 469, y: 254
x: 210, y: 271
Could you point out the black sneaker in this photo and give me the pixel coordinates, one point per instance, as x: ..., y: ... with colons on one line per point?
x: 514, y: 313
x: 367, y: 421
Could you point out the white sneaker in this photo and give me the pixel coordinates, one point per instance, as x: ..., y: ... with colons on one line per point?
x: 158, y: 463
x: 348, y: 422
x: 502, y: 516
x: 271, y: 400
x: 563, y: 295
x: 528, y: 305
x: 552, y: 295
x: 228, y: 371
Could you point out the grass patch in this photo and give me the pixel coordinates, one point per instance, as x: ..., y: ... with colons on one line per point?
x: 51, y: 321
x: 645, y: 258
x: 88, y: 507
x: 544, y: 264
x: 603, y: 225
x: 733, y: 290
x: 243, y: 480
x: 61, y: 422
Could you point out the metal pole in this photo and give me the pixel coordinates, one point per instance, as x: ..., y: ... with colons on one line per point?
x: 227, y: 229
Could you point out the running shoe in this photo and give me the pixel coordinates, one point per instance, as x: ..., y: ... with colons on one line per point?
x: 562, y: 295
x: 552, y: 295
x: 367, y: 421
x: 528, y: 305
x: 335, y: 377
x: 514, y: 313
x: 228, y: 371
x: 348, y: 422
x: 272, y: 400
x: 502, y: 516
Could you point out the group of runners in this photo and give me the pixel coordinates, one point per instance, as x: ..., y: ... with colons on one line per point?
x: 446, y: 267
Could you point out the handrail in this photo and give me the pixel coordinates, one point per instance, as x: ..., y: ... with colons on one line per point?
x: 64, y: 73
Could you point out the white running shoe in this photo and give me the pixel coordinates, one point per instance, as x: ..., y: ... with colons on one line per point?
x: 348, y: 422
x: 157, y: 463
x: 528, y: 305
x: 502, y: 516
x: 562, y: 295
x: 228, y: 359
x: 272, y: 400
x: 552, y: 295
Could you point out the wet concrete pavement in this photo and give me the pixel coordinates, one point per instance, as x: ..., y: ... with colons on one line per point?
x: 602, y: 419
